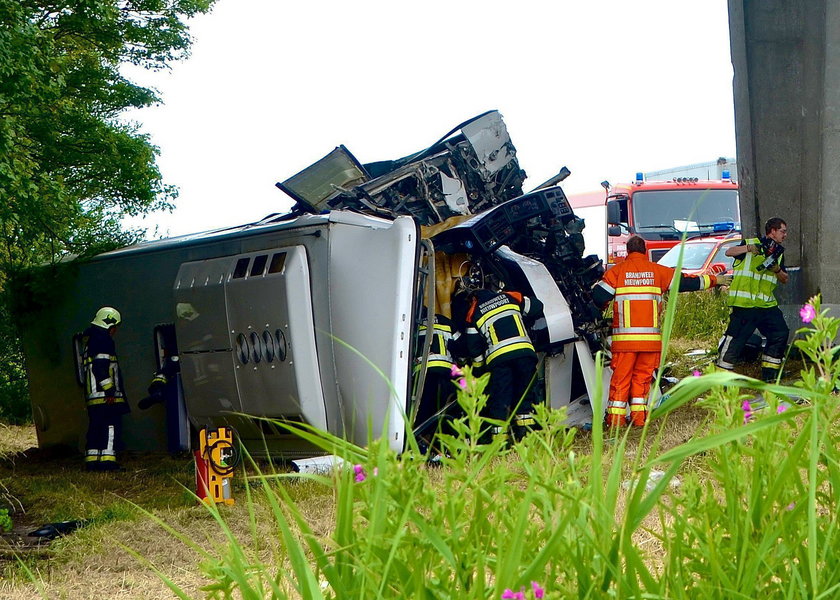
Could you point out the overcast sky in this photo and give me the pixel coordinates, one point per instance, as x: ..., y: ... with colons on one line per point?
x: 606, y: 88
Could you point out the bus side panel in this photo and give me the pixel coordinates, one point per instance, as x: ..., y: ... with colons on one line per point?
x: 141, y: 289
x: 271, y: 322
x: 372, y: 278
x: 204, y: 341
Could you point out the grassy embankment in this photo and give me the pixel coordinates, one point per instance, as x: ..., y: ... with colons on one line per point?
x: 737, y: 511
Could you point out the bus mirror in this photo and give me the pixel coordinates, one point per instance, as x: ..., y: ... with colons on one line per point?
x: 614, y: 230
x: 613, y: 212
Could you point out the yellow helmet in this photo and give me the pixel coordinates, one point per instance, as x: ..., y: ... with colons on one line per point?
x: 107, y: 317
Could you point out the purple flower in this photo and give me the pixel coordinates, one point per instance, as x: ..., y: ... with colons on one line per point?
x: 538, y: 591
x: 455, y: 371
x: 462, y: 383
x: 791, y: 506
x: 747, y: 408
x: 508, y: 593
x: 782, y: 408
x: 696, y: 373
x: 807, y: 313
x: 360, y: 473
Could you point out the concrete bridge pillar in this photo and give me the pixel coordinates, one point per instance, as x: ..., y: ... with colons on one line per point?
x: 786, y: 58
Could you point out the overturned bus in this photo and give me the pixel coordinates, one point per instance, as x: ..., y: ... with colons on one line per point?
x: 315, y: 316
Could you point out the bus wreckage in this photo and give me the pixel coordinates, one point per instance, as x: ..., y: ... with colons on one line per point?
x: 315, y: 316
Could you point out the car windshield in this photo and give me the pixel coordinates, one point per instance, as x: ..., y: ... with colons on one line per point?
x: 694, y: 257
x: 686, y: 209
x: 720, y: 256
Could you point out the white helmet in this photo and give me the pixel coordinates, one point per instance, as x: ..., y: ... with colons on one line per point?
x: 107, y: 317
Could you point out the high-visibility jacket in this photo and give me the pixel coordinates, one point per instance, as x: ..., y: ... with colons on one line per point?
x: 636, y: 286
x: 495, y: 325
x: 750, y: 287
x: 102, y: 371
x: 439, y: 356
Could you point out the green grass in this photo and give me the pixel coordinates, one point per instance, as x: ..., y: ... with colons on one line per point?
x: 743, y: 509
x: 700, y: 316
x: 734, y: 509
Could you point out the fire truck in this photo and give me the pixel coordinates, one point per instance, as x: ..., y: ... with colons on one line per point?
x: 661, y: 212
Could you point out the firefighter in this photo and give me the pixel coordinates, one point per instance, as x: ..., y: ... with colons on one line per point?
x: 438, y: 390
x: 104, y: 391
x: 635, y: 287
x: 495, y: 330
x: 759, y: 266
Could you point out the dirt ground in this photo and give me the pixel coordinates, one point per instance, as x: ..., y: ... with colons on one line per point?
x: 100, y: 558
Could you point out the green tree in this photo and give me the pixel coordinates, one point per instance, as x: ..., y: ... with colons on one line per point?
x: 70, y: 168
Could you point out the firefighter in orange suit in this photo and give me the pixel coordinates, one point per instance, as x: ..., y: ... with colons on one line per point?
x: 636, y: 287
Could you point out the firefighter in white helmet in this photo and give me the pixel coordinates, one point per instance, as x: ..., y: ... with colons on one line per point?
x: 104, y: 391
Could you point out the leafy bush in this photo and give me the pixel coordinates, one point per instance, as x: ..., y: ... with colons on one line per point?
x: 15, y: 408
x: 5, y: 520
x: 14, y: 388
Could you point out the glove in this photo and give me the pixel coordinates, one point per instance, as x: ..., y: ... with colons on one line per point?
x: 775, y: 268
x: 723, y: 280
x: 754, y: 249
x: 150, y: 401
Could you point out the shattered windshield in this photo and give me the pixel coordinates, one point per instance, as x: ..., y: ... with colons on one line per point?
x: 684, y: 209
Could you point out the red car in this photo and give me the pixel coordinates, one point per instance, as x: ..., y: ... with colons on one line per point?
x: 703, y: 256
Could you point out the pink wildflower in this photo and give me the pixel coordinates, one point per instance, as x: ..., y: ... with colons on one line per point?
x: 360, y: 473
x: 455, y: 371
x: 538, y: 591
x: 747, y: 408
x: 696, y: 373
x: 462, y: 383
x: 782, y: 408
x: 791, y: 506
x: 508, y: 593
x: 807, y: 313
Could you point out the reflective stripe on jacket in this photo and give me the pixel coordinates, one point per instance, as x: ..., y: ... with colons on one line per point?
x: 495, y: 322
x: 102, y: 371
x: 752, y: 288
x: 636, y: 285
x: 439, y: 355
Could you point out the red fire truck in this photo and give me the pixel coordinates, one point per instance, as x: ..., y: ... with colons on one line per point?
x: 658, y: 211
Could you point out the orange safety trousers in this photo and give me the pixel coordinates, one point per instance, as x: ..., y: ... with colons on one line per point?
x: 631, y: 378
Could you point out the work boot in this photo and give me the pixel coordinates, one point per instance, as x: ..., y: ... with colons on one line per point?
x: 769, y: 375
x: 522, y: 426
x: 638, y: 418
x: 492, y: 434
x: 614, y: 421
x: 499, y: 434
